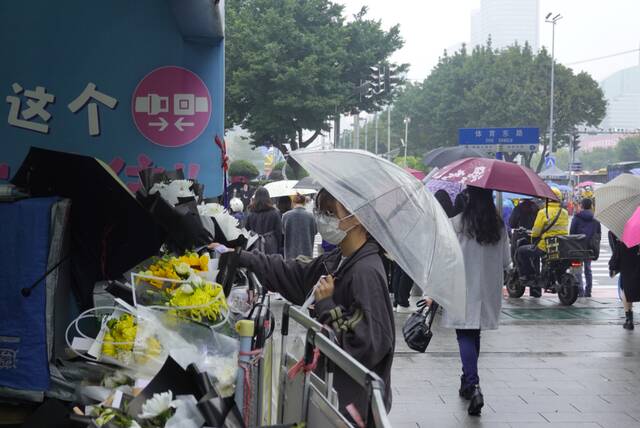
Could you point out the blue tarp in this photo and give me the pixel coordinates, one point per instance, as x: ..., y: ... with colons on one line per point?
x: 24, y: 253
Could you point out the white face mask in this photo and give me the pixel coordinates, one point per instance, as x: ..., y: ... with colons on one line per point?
x: 329, y: 228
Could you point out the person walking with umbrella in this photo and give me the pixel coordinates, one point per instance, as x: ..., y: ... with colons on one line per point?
x: 618, y: 208
x: 485, y: 248
x: 626, y: 262
x: 368, y: 204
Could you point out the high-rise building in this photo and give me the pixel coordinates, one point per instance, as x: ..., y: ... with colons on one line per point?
x: 622, y: 91
x: 506, y: 22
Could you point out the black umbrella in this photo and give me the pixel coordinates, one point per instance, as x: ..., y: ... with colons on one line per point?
x: 443, y: 156
x: 110, y: 230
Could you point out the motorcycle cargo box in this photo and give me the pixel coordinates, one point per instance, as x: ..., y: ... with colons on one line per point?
x: 575, y: 247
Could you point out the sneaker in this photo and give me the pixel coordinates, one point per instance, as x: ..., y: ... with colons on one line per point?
x: 404, y: 309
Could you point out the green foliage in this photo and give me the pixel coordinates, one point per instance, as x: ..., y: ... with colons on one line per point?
x: 627, y: 150
x: 292, y: 174
x: 496, y: 88
x: 413, y: 162
x: 243, y: 168
x: 291, y: 65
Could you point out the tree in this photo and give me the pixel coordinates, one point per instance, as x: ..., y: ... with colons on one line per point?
x: 291, y: 65
x: 292, y: 174
x: 413, y: 162
x: 497, y: 88
x: 243, y: 168
x: 628, y: 149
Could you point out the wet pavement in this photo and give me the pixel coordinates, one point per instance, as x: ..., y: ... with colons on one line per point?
x: 547, y: 365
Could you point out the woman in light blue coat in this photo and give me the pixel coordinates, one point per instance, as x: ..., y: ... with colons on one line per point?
x: 485, y: 248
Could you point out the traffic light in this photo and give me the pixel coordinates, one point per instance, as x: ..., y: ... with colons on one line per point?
x: 391, y: 79
x: 576, y: 142
x: 377, y: 80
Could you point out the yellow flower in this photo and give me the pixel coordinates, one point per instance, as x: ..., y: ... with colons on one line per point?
x: 204, y: 262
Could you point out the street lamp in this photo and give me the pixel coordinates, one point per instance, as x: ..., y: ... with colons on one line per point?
x: 552, y: 21
x: 407, y: 121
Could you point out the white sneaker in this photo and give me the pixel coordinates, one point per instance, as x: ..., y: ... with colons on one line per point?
x: 404, y: 309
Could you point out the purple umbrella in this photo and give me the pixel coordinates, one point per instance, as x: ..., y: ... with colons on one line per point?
x: 452, y: 188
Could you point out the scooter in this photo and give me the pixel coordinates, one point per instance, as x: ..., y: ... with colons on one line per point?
x: 559, y: 265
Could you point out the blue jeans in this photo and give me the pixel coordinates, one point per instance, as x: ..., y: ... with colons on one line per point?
x: 469, y: 344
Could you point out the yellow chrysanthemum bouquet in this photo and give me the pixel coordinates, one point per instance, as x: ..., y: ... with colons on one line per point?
x: 183, y: 286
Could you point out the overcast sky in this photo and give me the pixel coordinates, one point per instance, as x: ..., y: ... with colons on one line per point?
x: 590, y: 28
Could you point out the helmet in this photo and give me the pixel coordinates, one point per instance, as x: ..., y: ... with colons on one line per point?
x: 557, y: 192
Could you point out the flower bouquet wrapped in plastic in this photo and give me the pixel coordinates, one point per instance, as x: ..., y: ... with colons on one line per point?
x: 184, y: 286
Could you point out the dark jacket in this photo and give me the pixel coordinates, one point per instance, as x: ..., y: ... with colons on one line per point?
x: 360, y: 311
x: 524, y: 215
x: 268, y: 224
x: 584, y: 223
x: 299, y: 230
x: 626, y: 262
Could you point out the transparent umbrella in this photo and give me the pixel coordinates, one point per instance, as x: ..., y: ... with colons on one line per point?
x: 400, y: 214
x: 616, y: 202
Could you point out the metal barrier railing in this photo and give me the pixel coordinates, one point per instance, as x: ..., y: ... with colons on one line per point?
x: 318, y: 337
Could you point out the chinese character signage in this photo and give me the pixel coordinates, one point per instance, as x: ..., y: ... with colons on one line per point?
x: 120, y: 83
x: 500, y: 139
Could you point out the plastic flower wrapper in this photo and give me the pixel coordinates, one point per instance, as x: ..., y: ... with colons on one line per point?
x: 187, y: 414
x: 199, y: 300
x: 174, y: 267
x: 211, y: 209
x: 173, y: 190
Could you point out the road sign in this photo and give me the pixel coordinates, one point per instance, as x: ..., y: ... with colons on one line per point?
x: 500, y: 139
x: 549, y: 161
x: 575, y: 166
x: 171, y: 106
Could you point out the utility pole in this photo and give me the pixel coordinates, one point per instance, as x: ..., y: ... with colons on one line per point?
x: 407, y: 121
x: 376, y: 126
x: 553, y: 22
x: 366, y: 134
x: 389, y: 128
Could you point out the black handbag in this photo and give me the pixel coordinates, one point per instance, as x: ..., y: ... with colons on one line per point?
x: 417, y: 329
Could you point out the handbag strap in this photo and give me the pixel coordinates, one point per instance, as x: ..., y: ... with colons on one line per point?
x: 431, y: 314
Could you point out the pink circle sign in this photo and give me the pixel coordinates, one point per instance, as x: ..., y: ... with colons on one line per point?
x: 171, y: 106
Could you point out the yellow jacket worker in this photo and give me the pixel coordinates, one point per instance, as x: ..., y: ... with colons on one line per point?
x: 552, y: 220
x: 545, y: 217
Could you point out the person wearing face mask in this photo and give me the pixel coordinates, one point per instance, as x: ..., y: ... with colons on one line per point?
x: 349, y: 287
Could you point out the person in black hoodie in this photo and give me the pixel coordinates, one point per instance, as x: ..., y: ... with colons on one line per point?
x: 584, y: 223
x: 265, y: 220
x: 626, y: 262
x: 351, y: 294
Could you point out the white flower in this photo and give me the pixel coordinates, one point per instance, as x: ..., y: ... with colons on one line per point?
x: 195, y: 279
x: 183, y: 269
x: 157, y: 405
x: 134, y: 424
x: 186, y: 289
x: 229, y: 225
